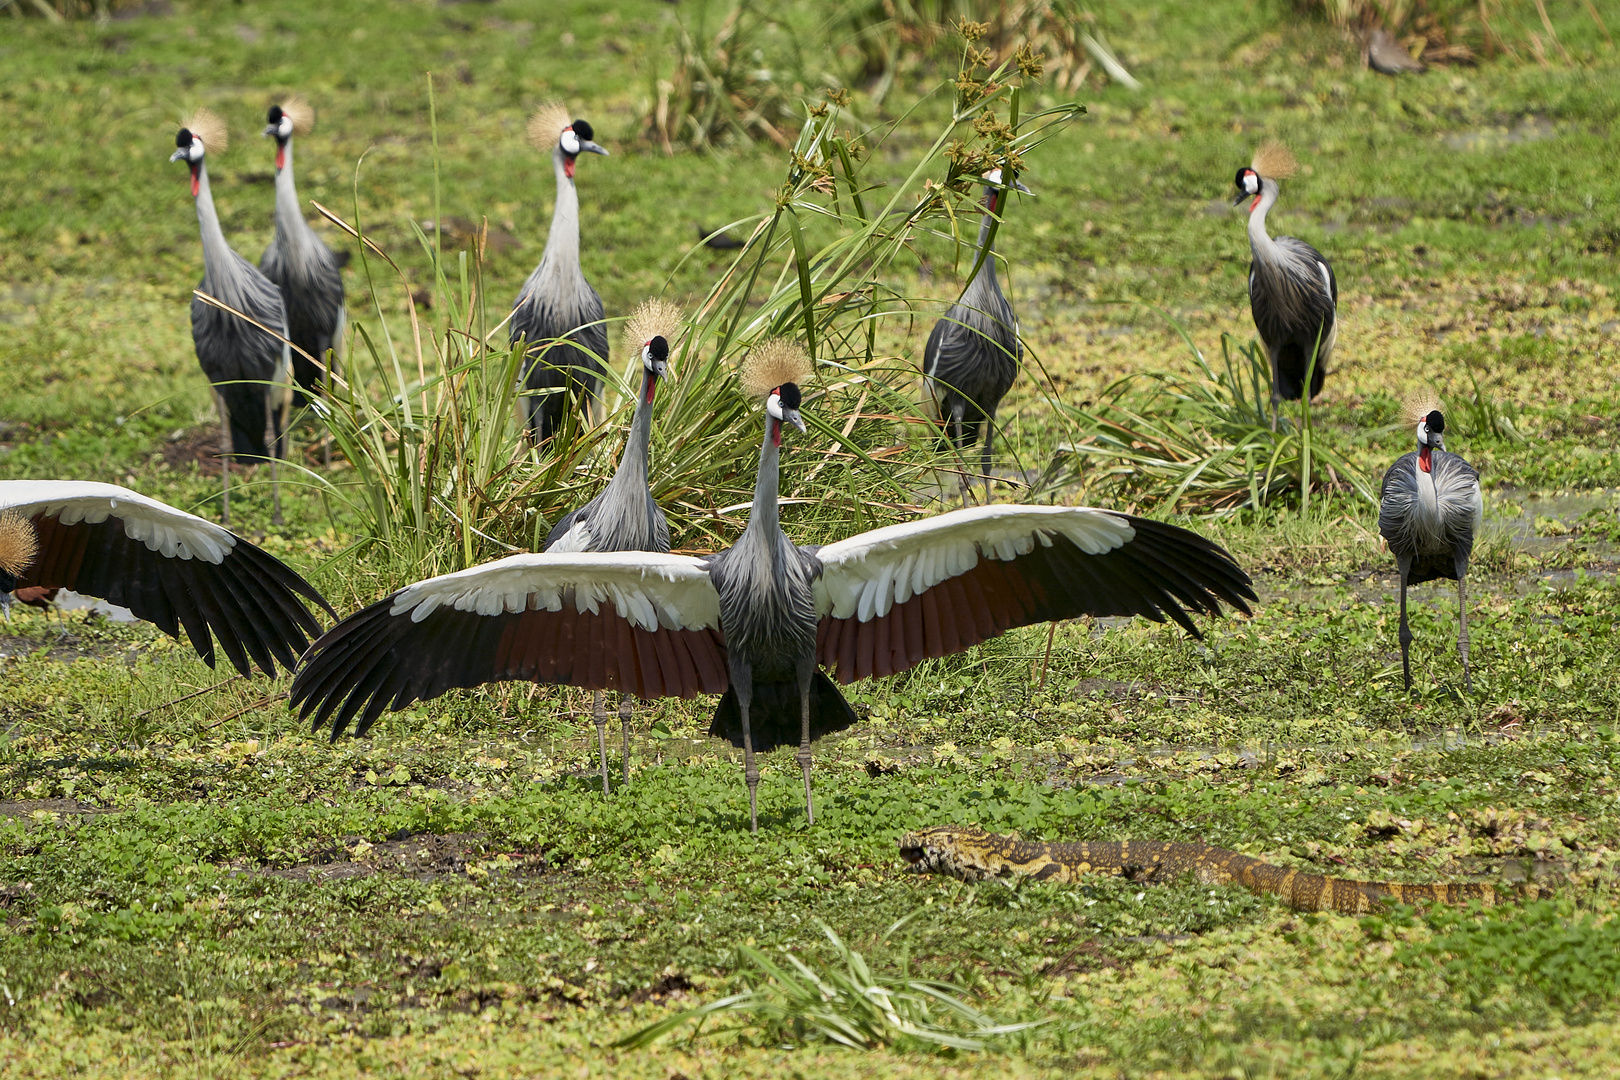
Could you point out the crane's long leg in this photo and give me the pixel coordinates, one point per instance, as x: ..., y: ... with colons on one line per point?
x: 273, y: 441
x: 989, y: 434
x: 328, y: 357
x: 599, y: 714
x: 807, y: 673
x: 745, y: 693
x: 1462, y: 633
x: 1406, y: 638
x: 961, y: 478
x: 225, y: 449
x: 624, y: 724
x: 1276, y: 393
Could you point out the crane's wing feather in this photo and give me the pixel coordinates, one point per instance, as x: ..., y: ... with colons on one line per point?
x: 890, y: 598
x: 633, y: 621
x: 974, y: 353
x: 169, y: 567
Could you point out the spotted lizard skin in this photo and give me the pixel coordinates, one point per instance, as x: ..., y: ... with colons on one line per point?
x: 971, y: 854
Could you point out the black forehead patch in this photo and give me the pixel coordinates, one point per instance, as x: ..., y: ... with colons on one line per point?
x: 183, y: 139
x: 275, y: 114
x: 1436, y: 422
x: 659, y: 348
x: 789, y: 393
x: 583, y: 130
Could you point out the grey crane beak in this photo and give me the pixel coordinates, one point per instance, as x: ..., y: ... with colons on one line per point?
x: 791, y: 416
x: 1019, y: 186
x: 1240, y: 197
x: 271, y: 129
x: 181, y: 154
x: 588, y: 147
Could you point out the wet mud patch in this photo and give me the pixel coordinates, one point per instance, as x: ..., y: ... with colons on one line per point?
x: 63, y: 648
x: 422, y: 856
x: 29, y: 807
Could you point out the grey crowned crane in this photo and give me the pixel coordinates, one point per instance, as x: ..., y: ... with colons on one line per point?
x: 973, y: 353
x: 249, y: 365
x: 310, y: 275
x: 758, y: 621
x: 1292, y: 291
x: 1428, y: 511
x: 167, y: 566
x: 624, y: 516
x: 557, y: 302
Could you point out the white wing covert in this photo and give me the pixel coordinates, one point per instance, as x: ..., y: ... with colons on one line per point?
x: 890, y: 598
x: 640, y: 622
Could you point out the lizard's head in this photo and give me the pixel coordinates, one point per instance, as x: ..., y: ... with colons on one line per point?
x: 959, y: 851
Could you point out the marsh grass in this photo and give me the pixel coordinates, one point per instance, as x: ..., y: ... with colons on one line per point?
x: 734, y: 83
x: 441, y: 473
x: 1202, y: 442
x: 845, y: 1002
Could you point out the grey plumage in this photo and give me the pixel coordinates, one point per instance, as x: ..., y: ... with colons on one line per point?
x: 557, y: 302
x: 765, y: 622
x: 624, y: 517
x: 309, y: 274
x: 973, y: 353
x: 247, y: 366
x: 769, y: 619
x: 1382, y: 53
x: 1429, y: 510
x: 1293, y: 296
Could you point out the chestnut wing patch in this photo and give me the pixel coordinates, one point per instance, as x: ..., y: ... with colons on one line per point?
x: 1162, y: 572
x: 638, y: 622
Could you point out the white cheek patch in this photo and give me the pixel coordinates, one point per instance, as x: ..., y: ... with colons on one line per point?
x: 569, y: 142
x: 773, y: 405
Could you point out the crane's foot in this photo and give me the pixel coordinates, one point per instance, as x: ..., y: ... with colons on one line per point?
x: 809, y: 800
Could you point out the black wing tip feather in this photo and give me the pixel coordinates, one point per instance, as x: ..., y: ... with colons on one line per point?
x: 1189, y: 573
x: 285, y: 576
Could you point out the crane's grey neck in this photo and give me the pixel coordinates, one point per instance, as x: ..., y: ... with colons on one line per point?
x: 562, y: 243
x: 1260, y: 242
x: 630, y: 477
x: 764, y: 520
x: 222, y: 277
x: 293, y: 233
x: 985, y: 280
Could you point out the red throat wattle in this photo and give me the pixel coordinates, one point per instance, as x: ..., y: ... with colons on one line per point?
x: 568, y: 167
x: 1256, y: 202
x: 281, y: 156
x: 196, y: 182
x: 652, y: 385
x: 1423, y: 458
x: 776, y: 432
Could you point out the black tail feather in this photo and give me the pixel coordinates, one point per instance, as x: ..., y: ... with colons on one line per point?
x: 245, y: 403
x: 773, y: 716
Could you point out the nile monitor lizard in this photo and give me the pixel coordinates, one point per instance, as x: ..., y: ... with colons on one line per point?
x: 970, y: 853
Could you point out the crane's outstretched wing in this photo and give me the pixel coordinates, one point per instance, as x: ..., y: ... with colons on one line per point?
x: 633, y: 621
x: 168, y: 567
x: 890, y: 598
